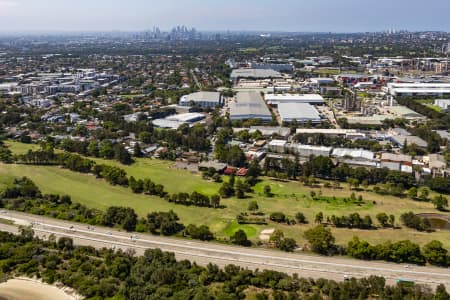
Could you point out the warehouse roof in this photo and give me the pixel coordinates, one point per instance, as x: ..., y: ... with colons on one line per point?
x: 298, y: 111
x: 249, y: 105
x: 354, y: 153
x: 410, y: 139
x: 202, y: 96
x: 405, y: 112
x: 395, y: 157
x: 288, y: 98
x: 187, y: 117
x: 255, y: 73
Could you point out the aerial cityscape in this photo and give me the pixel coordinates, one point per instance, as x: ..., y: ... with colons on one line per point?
x: 205, y: 150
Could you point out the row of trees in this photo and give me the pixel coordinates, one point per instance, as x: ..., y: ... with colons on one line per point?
x: 400, y: 252
x: 322, y: 241
x: 116, y: 176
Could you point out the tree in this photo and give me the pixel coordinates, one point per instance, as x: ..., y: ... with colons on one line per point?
x: 300, y: 218
x: 278, y: 217
x: 137, y: 150
x: 287, y: 244
x: 253, y: 206
x: 226, y: 190
x: 121, y: 154
x: 383, y: 219
x: 440, y: 202
x: 441, y: 293
x: 215, y: 201
x: 200, y: 233
x: 65, y: 243
x: 239, y: 189
x: 276, y: 237
x: 240, y: 238
x: 392, y: 220
x: 267, y: 191
x: 424, y: 192
x: 320, y: 239
x: 319, y: 218
x: 412, y: 192
x: 353, y: 183
x: 435, y: 254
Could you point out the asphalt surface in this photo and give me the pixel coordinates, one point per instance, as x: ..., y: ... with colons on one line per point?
x: 204, y: 253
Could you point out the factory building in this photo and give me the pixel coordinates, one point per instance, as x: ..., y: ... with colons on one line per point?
x: 201, y: 99
x: 276, y: 99
x: 396, y: 162
x: 444, y: 104
x: 298, y: 112
x: 418, y: 89
x: 308, y: 150
x: 249, y: 105
x: 255, y: 74
x: 272, y: 66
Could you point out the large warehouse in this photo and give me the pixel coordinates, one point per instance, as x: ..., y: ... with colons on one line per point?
x: 276, y: 99
x: 202, y: 99
x: 254, y: 74
x: 299, y: 112
x: 249, y: 105
x: 418, y: 89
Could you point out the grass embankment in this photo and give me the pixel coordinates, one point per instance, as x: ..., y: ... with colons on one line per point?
x: 289, y: 198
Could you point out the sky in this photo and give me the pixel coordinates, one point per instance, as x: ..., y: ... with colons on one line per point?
x: 251, y: 15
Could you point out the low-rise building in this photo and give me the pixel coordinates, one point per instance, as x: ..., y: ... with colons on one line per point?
x: 396, y: 162
x: 249, y: 105
x: 277, y: 146
x: 298, y: 112
x: 254, y: 74
x: 276, y: 99
x: 308, y: 150
x: 443, y: 103
x: 202, y: 99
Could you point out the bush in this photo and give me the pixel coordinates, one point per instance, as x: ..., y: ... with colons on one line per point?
x: 301, y: 218
x: 240, y: 238
x: 320, y: 239
x: 411, y: 220
x: 278, y: 217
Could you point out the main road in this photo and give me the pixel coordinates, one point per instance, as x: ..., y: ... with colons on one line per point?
x: 202, y: 253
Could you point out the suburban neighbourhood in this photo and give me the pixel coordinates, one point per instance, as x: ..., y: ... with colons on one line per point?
x: 183, y: 163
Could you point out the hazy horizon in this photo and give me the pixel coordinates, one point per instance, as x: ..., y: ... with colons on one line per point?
x: 41, y: 16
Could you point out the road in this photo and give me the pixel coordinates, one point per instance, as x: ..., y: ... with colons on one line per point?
x: 206, y: 252
x: 197, y: 83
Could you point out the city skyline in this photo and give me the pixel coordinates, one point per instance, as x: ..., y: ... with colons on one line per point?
x: 250, y: 15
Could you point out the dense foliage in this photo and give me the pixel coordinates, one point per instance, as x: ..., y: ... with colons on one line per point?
x: 105, y: 274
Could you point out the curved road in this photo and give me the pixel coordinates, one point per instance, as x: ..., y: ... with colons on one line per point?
x: 206, y: 252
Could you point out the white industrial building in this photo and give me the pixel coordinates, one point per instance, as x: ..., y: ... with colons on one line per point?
x: 277, y: 146
x: 249, y: 105
x: 347, y: 133
x: 176, y: 121
x: 187, y: 117
x: 353, y: 153
x: 276, y: 99
x: 418, y: 89
x: 298, y: 112
x: 308, y: 150
x: 202, y: 99
x: 443, y: 103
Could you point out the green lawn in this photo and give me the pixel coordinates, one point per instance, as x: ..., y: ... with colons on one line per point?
x: 289, y: 198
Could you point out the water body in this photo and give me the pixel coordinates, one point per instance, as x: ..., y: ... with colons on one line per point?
x: 437, y: 221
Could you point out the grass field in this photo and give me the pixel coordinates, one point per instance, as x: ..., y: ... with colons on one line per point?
x: 289, y: 197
